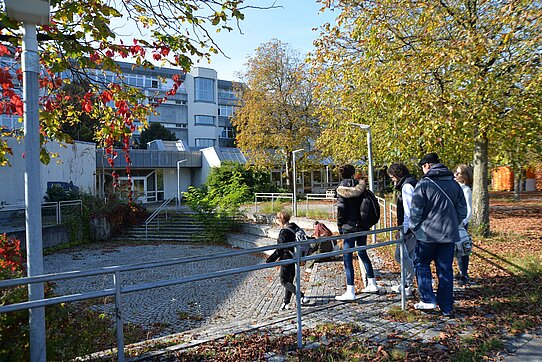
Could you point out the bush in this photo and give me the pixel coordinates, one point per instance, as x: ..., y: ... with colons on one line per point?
x: 14, y: 325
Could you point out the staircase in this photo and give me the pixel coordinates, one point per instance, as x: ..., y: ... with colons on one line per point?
x: 178, y: 227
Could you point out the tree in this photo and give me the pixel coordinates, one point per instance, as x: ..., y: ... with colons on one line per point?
x: 460, y: 77
x: 275, y: 116
x: 156, y: 131
x: 82, y: 43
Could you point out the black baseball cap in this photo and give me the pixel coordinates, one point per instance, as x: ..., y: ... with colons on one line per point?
x: 429, y: 158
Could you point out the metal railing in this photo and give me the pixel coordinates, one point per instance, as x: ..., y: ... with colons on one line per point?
x: 118, y: 290
x: 156, y: 213
x: 273, y: 196
x: 321, y: 197
x: 51, y: 212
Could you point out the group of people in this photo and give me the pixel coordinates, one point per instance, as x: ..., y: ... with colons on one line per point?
x: 430, y: 210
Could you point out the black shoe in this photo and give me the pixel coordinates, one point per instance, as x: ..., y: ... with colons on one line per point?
x: 463, y: 280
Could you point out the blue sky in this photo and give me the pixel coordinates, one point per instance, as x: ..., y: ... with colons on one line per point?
x: 291, y: 23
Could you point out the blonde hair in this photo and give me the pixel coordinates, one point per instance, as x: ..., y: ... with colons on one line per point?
x: 283, y: 217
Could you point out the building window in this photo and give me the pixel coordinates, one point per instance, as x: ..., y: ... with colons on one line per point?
x: 226, y: 94
x: 204, y: 89
x: 225, y: 111
x: 205, y: 142
x: 206, y: 120
x: 227, y: 132
x: 135, y: 80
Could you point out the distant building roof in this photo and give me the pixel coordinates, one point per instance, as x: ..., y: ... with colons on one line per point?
x: 231, y: 154
x: 160, y: 145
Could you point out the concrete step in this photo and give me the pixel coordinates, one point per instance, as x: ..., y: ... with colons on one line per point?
x: 248, y: 241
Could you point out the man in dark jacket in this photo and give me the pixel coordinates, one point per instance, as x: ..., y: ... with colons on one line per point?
x: 438, y: 207
x: 287, y: 272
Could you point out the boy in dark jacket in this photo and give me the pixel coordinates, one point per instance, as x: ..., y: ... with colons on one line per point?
x: 287, y: 272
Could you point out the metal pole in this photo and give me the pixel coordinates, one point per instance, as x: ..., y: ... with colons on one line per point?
x: 295, y: 182
x: 179, y: 184
x: 118, y: 317
x: 298, y: 295
x: 32, y: 182
x: 294, y: 206
x: 370, y: 150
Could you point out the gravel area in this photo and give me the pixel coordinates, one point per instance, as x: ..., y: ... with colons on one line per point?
x: 175, y: 308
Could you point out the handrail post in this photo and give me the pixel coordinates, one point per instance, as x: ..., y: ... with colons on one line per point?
x: 118, y: 317
x: 402, y: 257
x: 298, y: 294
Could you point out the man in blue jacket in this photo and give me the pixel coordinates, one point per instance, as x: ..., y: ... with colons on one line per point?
x: 438, y: 207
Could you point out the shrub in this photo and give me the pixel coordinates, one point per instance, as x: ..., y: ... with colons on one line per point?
x: 13, y: 326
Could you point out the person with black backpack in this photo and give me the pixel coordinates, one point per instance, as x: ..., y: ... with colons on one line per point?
x: 287, y: 272
x: 350, y: 197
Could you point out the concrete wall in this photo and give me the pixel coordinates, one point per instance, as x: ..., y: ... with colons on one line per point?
x: 170, y: 181
x: 51, y: 236
x: 75, y: 163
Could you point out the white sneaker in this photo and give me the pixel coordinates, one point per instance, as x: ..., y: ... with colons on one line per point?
x: 397, y: 289
x: 371, y: 287
x: 305, y: 300
x: 348, y: 295
x: 285, y: 306
x: 425, y: 306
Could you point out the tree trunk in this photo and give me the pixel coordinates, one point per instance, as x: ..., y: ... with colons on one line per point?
x: 517, y: 184
x: 480, y: 193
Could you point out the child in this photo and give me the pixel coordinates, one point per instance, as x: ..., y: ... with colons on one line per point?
x: 287, y: 272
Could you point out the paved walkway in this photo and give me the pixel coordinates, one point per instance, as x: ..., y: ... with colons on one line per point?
x: 193, y: 313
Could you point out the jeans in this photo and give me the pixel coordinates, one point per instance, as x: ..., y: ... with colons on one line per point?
x: 443, y: 256
x: 347, y: 258
x: 463, y: 265
x: 408, y: 254
x: 463, y: 262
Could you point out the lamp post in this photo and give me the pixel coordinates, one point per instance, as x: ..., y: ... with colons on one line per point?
x: 295, y: 180
x: 179, y: 183
x: 369, y: 150
x: 32, y: 13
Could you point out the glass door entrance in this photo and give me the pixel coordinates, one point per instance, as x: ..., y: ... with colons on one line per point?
x: 139, y: 187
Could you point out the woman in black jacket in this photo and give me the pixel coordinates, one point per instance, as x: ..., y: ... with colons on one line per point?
x: 349, y: 197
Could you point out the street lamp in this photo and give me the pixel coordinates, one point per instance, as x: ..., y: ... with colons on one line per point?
x: 370, y: 151
x: 32, y: 13
x: 179, y: 183
x: 295, y: 180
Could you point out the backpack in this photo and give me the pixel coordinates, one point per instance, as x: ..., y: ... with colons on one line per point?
x: 369, y: 210
x: 300, y: 235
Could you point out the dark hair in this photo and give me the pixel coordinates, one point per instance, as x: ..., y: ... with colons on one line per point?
x: 466, y: 174
x: 347, y: 171
x: 398, y: 170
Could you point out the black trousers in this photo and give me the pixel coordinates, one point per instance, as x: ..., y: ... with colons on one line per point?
x: 287, y: 275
